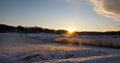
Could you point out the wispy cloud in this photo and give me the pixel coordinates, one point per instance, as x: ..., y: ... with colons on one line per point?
x: 117, y: 26
x: 109, y: 8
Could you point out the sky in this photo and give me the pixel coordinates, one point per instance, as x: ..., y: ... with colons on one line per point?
x: 82, y: 15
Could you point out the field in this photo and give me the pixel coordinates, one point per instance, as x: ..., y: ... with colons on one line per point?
x: 53, y: 48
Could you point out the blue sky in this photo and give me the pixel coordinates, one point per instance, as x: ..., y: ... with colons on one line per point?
x: 55, y: 14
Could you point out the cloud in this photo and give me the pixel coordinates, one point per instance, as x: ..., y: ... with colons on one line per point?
x: 117, y: 26
x: 109, y: 8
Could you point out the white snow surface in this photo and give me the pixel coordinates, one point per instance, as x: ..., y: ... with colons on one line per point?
x: 41, y: 48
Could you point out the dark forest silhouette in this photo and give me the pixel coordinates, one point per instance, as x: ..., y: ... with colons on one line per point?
x: 21, y: 29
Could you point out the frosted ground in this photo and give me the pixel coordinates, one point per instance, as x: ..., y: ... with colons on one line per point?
x: 41, y: 48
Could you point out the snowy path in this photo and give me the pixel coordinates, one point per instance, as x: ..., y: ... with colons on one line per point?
x: 18, y: 48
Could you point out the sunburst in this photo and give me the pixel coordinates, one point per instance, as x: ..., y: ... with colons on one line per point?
x: 71, y: 30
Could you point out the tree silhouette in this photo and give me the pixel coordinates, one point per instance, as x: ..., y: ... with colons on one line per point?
x: 7, y: 28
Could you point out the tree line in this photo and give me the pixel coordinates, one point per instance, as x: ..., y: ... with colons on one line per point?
x: 22, y: 29
x: 99, y: 33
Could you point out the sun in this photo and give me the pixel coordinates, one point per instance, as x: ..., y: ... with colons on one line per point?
x: 71, y: 30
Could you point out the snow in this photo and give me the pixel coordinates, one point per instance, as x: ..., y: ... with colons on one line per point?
x: 91, y: 59
x: 43, y: 35
x: 41, y: 48
x: 8, y: 59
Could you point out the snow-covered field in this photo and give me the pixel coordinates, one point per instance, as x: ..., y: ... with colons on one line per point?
x: 41, y: 48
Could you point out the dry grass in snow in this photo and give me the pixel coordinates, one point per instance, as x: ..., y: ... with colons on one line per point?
x: 95, y: 42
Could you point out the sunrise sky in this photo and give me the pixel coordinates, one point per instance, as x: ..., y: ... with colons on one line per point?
x: 82, y: 15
